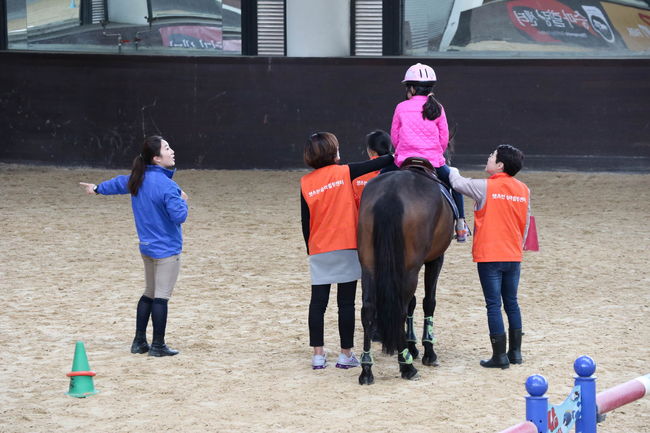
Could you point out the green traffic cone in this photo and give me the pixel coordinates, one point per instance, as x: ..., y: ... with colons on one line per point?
x: 81, y: 378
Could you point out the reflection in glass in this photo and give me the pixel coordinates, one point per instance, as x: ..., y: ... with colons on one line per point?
x: 539, y: 28
x: 190, y: 24
x: 207, y: 27
x: 207, y: 9
x: 231, y: 11
x: 17, y: 24
x: 424, y: 25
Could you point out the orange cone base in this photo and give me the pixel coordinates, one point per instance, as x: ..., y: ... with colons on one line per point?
x: 81, y: 387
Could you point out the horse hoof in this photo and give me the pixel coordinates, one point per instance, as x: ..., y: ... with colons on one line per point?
x: 366, y: 379
x: 411, y: 375
x: 430, y: 362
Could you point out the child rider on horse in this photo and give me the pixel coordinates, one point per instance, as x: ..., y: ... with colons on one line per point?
x: 420, y: 129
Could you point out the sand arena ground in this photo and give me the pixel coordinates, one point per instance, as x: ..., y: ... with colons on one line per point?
x: 70, y: 270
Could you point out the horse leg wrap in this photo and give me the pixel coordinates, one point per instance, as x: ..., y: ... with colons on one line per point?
x: 366, y: 358
x: 405, y: 357
x: 410, y: 332
x: 427, y: 333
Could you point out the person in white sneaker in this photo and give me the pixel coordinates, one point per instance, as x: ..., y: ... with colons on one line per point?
x: 329, y: 226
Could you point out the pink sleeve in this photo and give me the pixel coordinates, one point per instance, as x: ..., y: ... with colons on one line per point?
x: 394, y: 128
x: 443, y: 129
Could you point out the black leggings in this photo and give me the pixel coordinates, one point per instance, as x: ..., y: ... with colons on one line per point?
x: 345, y: 295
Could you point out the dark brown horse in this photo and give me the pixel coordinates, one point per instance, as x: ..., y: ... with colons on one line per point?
x: 404, y: 222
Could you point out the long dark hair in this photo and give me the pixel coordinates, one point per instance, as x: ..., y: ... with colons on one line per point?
x: 431, y: 109
x: 150, y: 148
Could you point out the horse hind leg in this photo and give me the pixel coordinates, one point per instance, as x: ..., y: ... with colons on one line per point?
x: 368, y: 312
x: 431, y: 273
x: 411, y: 338
x: 405, y: 358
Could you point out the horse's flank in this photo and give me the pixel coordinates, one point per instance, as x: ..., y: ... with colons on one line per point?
x: 427, y: 220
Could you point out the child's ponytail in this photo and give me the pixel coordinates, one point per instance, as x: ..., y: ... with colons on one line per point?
x: 431, y: 109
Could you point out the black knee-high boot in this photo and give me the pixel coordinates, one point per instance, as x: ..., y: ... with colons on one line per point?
x: 499, y: 358
x: 514, y: 349
x: 140, y: 344
x: 159, y: 319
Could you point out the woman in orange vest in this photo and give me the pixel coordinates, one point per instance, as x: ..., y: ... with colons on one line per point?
x: 378, y: 143
x: 501, y: 218
x: 329, y: 225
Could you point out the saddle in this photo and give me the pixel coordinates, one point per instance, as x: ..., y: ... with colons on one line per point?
x: 423, y: 166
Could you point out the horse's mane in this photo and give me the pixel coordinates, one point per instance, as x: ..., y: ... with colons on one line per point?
x: 451, y: 145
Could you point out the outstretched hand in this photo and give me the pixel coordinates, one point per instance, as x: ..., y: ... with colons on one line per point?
x: 89, y: 187
x: 183, y: 195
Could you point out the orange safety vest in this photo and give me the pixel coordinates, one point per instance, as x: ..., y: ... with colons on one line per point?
x: 500, y: 225
x: 359, y: 183
x: 333, y: 212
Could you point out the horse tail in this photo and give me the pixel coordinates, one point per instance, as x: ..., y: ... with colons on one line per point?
x: 388, y: 243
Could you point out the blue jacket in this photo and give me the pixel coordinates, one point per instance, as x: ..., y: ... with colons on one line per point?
x: 158, y: 210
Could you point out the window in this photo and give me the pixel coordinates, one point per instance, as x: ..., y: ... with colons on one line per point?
x: 534, y: 28
x: 193, y: 27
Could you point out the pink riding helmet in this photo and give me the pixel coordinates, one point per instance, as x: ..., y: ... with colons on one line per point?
x: 419, y: 73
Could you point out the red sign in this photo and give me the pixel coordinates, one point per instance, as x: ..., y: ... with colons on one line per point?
x: 548, y: 20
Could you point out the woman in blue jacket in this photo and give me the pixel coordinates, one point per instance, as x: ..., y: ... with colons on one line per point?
x: 159, y: 208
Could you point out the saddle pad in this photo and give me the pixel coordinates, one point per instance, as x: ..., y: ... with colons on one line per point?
x: 450, y: 199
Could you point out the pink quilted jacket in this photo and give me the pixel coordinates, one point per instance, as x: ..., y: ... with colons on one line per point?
x: 414, y: 136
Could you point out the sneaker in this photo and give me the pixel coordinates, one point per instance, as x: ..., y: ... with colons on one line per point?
x: 347, y: 362
x: 318, y: 362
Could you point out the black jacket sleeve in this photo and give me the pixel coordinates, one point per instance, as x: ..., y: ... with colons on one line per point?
x: 360, y: 168
x: 304, y: 218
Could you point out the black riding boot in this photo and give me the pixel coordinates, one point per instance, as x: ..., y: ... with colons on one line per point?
x: 499, y: 358
x: 140, y: 344
x: 159, y: 319
x: 514, y: 350
x: 159, y: 348
x: 143, y: 312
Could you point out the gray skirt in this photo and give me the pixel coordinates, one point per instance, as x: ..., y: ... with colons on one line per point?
x: 332, y: 267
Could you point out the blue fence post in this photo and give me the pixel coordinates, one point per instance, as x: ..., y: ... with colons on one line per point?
x: 585, y: 367
x: 537, y: 402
